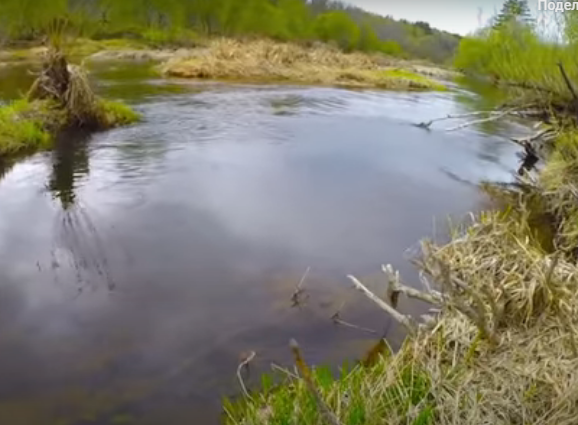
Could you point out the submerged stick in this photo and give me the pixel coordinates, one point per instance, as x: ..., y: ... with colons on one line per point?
x: 243, y: 364
x: 307, y: 377
x: 338, y: 321
x: 481, y: 121
x: 397, y: 316
x: 299, y: 288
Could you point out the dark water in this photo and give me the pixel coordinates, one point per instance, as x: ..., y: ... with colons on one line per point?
x: 137, y: 264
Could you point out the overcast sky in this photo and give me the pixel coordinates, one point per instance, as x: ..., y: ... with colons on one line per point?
x: 458, y: 16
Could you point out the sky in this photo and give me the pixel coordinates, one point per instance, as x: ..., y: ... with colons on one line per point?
x: 457, y: 16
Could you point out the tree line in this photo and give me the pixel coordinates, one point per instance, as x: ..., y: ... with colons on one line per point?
x: 171, y: 21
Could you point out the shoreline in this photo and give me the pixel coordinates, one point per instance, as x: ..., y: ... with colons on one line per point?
x: 258, y: 61
x: 499, y: 346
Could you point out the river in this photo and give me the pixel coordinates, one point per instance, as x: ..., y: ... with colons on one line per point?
x: 136, y: 265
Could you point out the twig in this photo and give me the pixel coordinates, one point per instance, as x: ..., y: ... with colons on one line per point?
x: 243, y: 364
x: 298, y: 288
x: 396, y: 287
x: 397, y: 316
x: 452, y: 117
x: 470, y: 123
x: 337, y: 320
x: 306, y: 374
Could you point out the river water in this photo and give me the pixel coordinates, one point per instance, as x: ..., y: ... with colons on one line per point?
x: 136, y: 265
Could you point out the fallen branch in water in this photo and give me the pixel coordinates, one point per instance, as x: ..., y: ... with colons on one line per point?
x: 245, y: 364
x: 494, y: 117
x: 338, y: 321
x: 397, y: 316
x: 299, y: 289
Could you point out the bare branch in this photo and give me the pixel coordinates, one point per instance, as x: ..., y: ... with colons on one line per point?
x: 244, y: 364
x: 397, y: 316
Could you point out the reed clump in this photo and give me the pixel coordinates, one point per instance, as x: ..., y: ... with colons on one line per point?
x: 501, y: 345
x: 61, y: 97
x: 268, y: 61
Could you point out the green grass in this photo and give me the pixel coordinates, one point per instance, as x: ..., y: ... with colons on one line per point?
x: 416, y: 80
x: 115, y: 114
x: 358, y: 396
x: 23, y: 127
x: 29, y: 126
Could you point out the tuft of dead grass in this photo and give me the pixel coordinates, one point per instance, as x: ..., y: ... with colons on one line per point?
x: 268, y: 61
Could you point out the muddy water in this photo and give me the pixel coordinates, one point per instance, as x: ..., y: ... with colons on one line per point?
x: 136, y: 265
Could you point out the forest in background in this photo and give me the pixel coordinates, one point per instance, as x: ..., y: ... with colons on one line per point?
x: 181, y: 22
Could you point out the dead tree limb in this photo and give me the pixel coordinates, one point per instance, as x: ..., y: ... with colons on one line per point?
x: 405, y: 321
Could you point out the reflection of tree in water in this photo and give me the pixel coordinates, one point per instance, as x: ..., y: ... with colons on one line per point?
x: 75, y: 230
x: 69, y: 163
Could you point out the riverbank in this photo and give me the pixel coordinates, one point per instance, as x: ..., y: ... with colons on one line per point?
x: 259, y: 61
x: 500, y: 346
x: 267, y: 61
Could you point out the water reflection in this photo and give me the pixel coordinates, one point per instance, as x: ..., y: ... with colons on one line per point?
x: 70, y: 163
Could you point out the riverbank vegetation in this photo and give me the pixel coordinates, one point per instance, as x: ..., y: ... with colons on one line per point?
x: 500, y: 342
x: 60, y: 98
x: 267, y: 61
x: 188, y: 23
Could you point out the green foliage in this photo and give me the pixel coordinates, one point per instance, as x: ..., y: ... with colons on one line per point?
x: 338, y: 27
x: 513, y: 11
x: 114, y: 114
x: 180, y: 22
x: 517, y: 54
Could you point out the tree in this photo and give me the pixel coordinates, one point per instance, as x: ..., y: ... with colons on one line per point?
x: 338, y: 27
x: 513, y: 11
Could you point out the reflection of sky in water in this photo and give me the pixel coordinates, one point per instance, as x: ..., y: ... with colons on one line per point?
x: 184, y: 235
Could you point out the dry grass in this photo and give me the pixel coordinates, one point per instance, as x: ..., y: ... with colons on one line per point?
x: 267, y: 61
x: 503, y: 347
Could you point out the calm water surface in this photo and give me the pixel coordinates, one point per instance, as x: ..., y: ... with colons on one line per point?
x: 137, y: 264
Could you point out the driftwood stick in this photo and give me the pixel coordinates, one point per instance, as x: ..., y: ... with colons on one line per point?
x: 397, y: 316
x: 480, y: 121
x: 396, y: 287
x: 243, y: 364
x: 299, y: 288
x: 338, y: 321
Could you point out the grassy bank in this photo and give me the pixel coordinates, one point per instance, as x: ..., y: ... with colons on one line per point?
x: 267, y: 61
x: 502, y: 349
x: 59, y: 99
